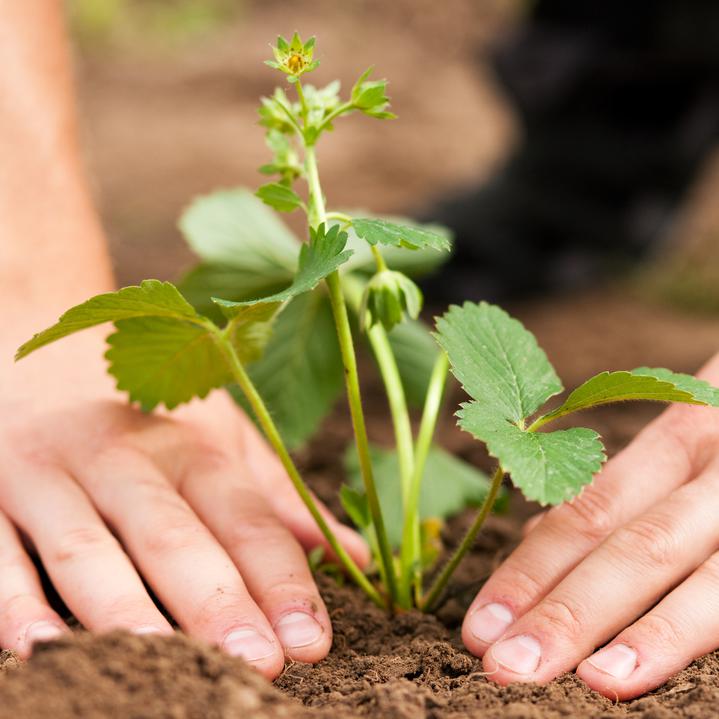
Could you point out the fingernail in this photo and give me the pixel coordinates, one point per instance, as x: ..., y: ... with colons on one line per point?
x: 490, y: 622
x: 520, y: 654
x: 248, y: 644
x: 42, y: 631
x: 149, y: 629
x: 298, y: 629
x: 618, y: 661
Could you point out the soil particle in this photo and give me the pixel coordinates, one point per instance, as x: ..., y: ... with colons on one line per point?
x: 149, y: 677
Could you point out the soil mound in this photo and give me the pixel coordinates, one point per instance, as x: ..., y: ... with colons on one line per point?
x: 149, y: 677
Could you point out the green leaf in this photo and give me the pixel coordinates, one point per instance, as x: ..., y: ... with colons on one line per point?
x: 160, y: 360
x: 235, y: 229
x: 281, y: 197
x: 415, y: 352
x: 356, y: 505
x: 413, y: 237
x: 300, y: 374
x: 320, y: 257
x: 497, y: 361
x: 449, y: 486
x: 549, y: 468
x: 151, y: 298
x: 702, y: 391
x: 249, y: 328
x: 206, y: 281
x: 414, y: 264
x: 640, y: 384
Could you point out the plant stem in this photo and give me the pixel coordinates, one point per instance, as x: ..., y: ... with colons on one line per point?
x: 271, y: 432
x: 317, y: 216
x: 382, y: 349
x: 439, y: 584
x: 387, y: 364
x: 411, y: 559
x: 379, y: 260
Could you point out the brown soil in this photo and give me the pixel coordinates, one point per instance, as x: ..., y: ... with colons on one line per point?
x: 412, y: 666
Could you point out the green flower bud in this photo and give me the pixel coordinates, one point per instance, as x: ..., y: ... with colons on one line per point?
x: 388, y: 298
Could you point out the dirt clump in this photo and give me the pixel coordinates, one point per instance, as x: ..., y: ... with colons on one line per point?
x: 133, y: 677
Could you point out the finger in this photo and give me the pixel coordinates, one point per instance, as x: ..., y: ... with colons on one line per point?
x: 178, y: 556
x: 271, y: 562
x: 264, y: 466
x: 532, y: 522
x: 88, y: 567
x: 25, y: 615
x: 611, y: 587
x: 681, y: 628
x: 649, y: 469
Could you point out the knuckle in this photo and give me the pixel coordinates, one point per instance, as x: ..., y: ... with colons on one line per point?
x: 517, y: 585
x: 225, y: 607
x: 261, y: 528
x: 651, y: 539
x: 173, y: 535
x: 590, y: 515
x: 80, y: 542
x: 662, y: 631
x: 561, y: 617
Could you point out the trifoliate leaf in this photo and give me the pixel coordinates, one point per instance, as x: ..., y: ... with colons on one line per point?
x: 641, y: 384
x: 151, y: 298
x: 497, y: 360
x: 281, y: 197
x: 449, y: 486
x: 549, y: 468
x: 159, y: 360
x: 320, y: 257
x: 413, y: 237
x: 300, y: 375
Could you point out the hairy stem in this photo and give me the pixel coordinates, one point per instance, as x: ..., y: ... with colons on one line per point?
x: 411, y: 559
x: 317, y: 216
x: 435, y: 591
x: 273, y: 436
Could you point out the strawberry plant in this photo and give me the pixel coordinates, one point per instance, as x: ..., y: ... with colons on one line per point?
x: 276, y: 321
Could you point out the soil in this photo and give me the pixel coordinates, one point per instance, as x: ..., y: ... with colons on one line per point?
x: 410, y: 667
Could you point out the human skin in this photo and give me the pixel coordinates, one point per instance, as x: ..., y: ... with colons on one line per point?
x: 632, y: 564
x: 193, y: 503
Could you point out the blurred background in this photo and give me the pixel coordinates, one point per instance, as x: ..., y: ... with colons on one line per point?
x: 169, y: 90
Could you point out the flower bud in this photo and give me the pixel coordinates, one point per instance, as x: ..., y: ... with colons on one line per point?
x: 388, y: 298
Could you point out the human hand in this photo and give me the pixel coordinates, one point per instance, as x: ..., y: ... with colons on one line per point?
x: 633, y: 562
x: 193, y: 503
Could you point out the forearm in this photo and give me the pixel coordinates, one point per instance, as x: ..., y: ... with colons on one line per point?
x: 52, y: 249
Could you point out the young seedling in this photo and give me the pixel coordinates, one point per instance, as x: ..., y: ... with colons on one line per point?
x: 275, y: 321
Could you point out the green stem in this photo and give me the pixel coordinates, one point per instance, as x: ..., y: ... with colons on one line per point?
x: 274, y: 438
x: 387, y: 364
x: 379, y: 260
x: 318, y: 215
x: 439, y: 584
x: 411, y: 554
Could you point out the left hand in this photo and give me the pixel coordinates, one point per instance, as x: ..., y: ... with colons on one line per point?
x: 631, y: 564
